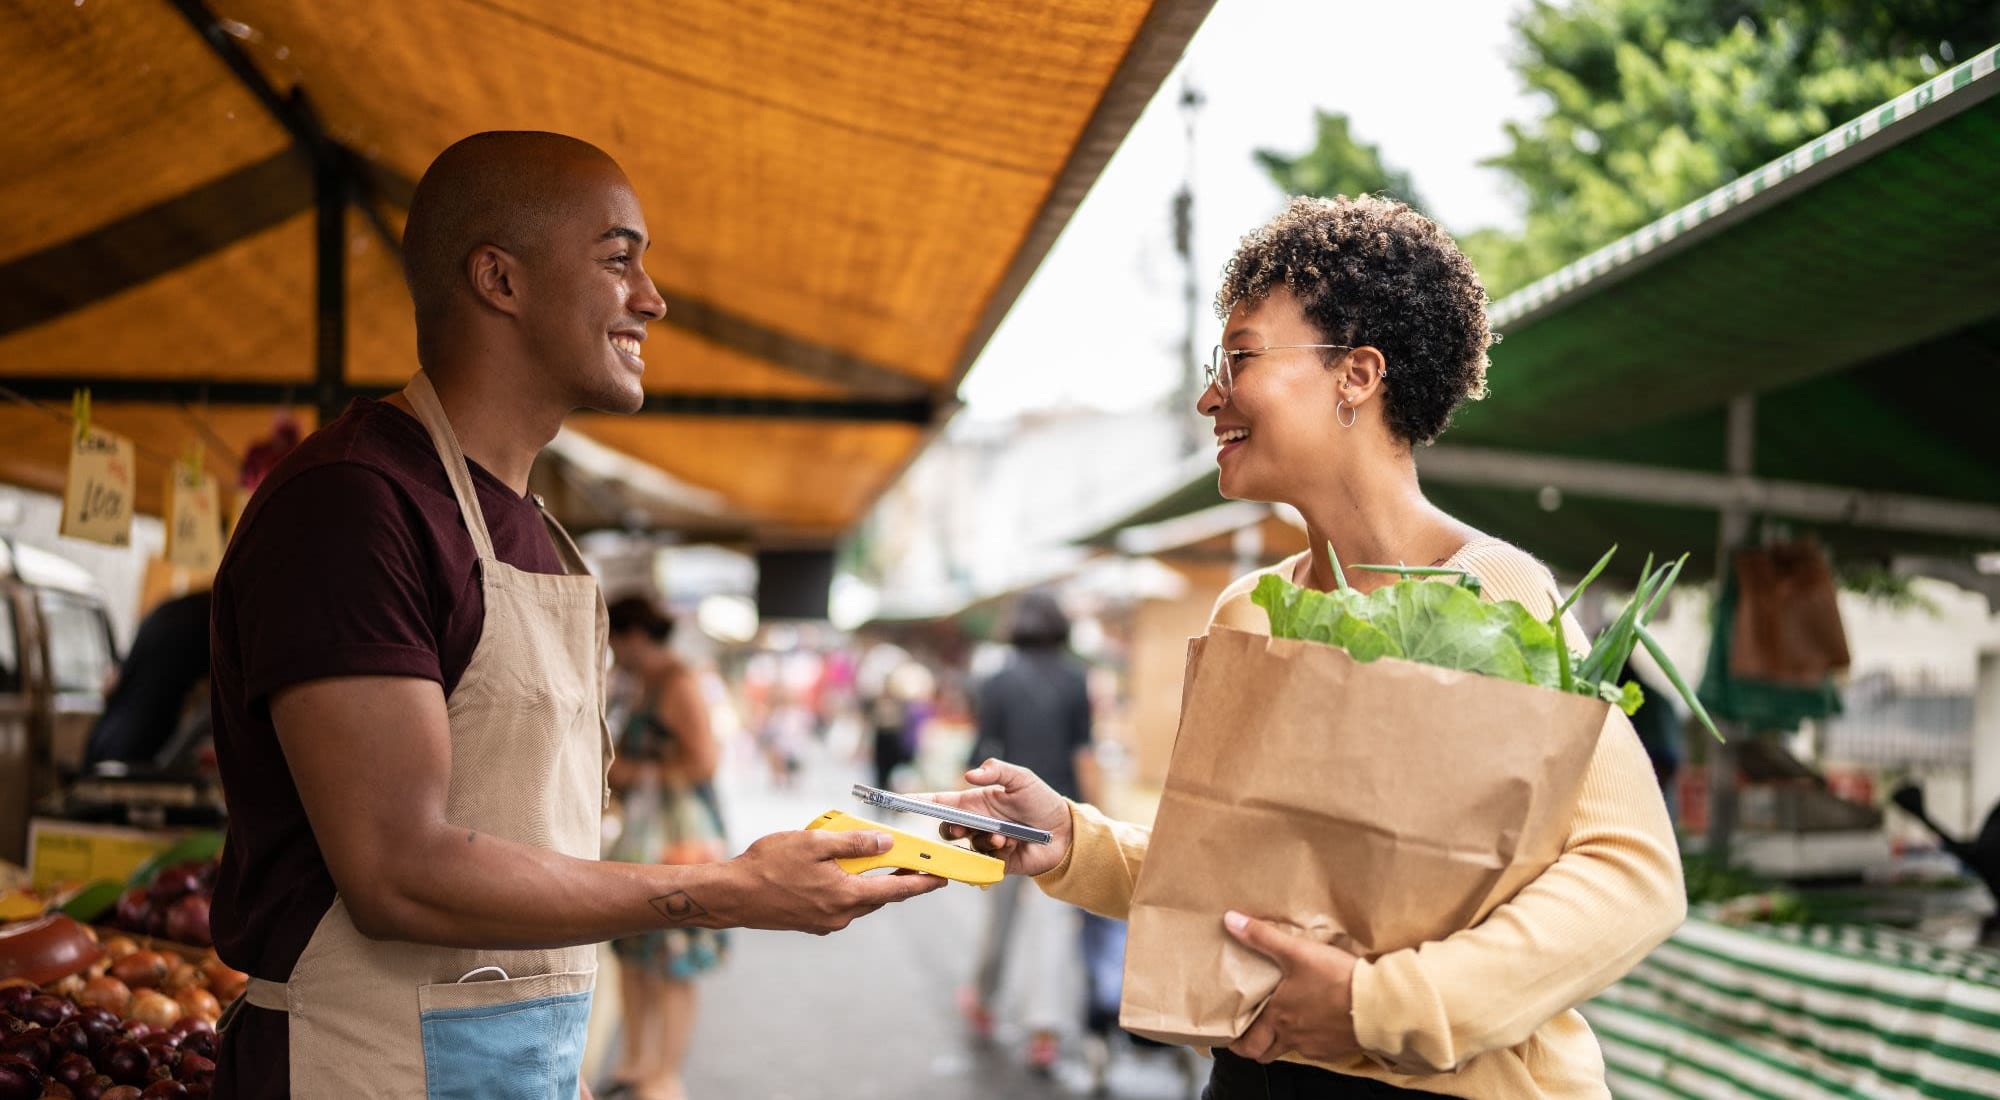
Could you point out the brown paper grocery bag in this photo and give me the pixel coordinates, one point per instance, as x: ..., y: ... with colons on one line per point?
x: 1373, y: 806
x: 1787, y: 628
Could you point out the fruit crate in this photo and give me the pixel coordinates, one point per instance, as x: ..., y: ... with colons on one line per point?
x: 74, y: 851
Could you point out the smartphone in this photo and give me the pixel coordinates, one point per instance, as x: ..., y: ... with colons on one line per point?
x: 978, y: 822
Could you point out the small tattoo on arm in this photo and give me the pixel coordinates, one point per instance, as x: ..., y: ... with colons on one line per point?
x: 470, y: 834
x: 678, y: 907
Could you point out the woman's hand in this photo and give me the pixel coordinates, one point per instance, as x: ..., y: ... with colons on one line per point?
x: 627, y: 772
x: 1006, y: 791
x: 1312, y: 1011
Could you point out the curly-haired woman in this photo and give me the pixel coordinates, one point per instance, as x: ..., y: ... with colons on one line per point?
x: 1353, y: 329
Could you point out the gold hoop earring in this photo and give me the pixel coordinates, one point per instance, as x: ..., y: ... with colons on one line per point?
x: 1353, y: 414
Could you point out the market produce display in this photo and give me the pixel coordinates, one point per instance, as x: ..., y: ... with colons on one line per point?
x: 93, y: 1033
x: 46, y: 948
x: 175, y: 905
x: 122, y: 1013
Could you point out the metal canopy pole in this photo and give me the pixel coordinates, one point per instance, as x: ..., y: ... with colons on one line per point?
x: 200, y: 391
x: 1838, y: 505
x: 1183, y: 403
x: 332, y: 188
x: 333, y: 185
x: 1733, y: 530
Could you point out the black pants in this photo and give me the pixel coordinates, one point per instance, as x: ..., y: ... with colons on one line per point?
x: 889, y: 756
x: 1238, y: 1078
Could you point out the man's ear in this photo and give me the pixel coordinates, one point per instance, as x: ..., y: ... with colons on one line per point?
x: 1360, y: 374
x: 495, y: 274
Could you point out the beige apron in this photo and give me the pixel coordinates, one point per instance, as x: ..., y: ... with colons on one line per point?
x: 529, y: 753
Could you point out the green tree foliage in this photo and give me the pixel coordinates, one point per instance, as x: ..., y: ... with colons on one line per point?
x: 1648, y: 104
x: 1652, y: 103
x: 1337, y: 164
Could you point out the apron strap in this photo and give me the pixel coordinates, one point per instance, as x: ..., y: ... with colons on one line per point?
x: 263, y: 994
x: 424, y: 399
x: 572, y: 558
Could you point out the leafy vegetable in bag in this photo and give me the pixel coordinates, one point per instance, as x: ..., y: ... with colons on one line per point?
x: 1451, y: 626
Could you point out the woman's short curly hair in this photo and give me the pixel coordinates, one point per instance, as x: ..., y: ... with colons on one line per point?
x: 1371, y: 271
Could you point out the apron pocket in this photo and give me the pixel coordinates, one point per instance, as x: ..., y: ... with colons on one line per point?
x: 510, y: 1039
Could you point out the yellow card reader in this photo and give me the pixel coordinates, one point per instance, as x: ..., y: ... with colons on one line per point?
x: 929, y: 855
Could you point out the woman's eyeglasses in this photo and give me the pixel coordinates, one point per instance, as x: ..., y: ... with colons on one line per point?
x: 1222, y: 362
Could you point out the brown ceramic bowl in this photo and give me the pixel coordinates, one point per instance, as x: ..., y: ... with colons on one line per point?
x: 46, y: 949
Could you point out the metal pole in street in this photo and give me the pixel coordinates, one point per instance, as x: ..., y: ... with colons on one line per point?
x: 1191, y: 372
x: 1734, y: 529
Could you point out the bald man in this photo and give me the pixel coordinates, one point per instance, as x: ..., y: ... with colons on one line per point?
x: 408, y: 695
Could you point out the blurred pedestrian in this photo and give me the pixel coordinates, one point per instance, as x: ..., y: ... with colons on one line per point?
x: 666, y: 762
x: 1035, y: 711
x: 159, y: 703
x: 888, y: 718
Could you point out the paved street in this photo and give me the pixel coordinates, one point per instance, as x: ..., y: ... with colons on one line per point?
x: 869, y: 1014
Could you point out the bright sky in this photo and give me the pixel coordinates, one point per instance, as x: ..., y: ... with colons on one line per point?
x: 1426, y: 80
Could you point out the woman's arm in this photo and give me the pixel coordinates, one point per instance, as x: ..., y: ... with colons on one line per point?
x: 626, y: 772
x: 683, y: 710
x: 1102, y: 865
x: 634, y: 762
x: 1614, y: 894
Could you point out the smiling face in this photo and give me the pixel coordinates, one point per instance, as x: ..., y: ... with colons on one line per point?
x: 585, y: 296
x: 1277, y: 433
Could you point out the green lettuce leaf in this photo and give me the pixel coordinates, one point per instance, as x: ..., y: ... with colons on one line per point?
x: 1446, y: 625
x: 1329, y: 618
x: 1452, y: 627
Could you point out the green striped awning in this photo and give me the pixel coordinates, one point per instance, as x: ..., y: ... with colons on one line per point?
x: 1852, y: 286
x: 1876, y: 238
x: 1784, y: 1012
x: 1831, y: 153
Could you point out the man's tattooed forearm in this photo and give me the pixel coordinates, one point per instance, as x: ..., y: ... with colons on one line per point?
x: 678, y: 907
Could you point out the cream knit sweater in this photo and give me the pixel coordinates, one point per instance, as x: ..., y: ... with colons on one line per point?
x: 1488, y: 1012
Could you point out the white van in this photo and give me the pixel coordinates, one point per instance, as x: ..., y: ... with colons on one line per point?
x: 57, y: 653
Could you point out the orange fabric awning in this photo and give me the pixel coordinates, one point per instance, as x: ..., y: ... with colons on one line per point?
x: 846, y: 197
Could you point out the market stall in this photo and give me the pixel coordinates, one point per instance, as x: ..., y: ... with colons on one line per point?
x: 200, y: 227
x: 202, y: 212
x: 1728, y: 1010
x: 113, y: 983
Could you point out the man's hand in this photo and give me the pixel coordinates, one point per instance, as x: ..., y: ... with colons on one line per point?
x: 790, y: 882
x: 1312, y: 1011
x: 1016, y: 794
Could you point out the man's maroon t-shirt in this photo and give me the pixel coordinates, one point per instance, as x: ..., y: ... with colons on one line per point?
x: 350, y: 560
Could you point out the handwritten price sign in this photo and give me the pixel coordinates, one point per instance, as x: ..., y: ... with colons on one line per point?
x: 194, y: 520
x: 97, y: 498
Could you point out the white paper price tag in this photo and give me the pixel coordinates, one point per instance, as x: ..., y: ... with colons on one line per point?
x: 194, y: 520
x: 97, y: 498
